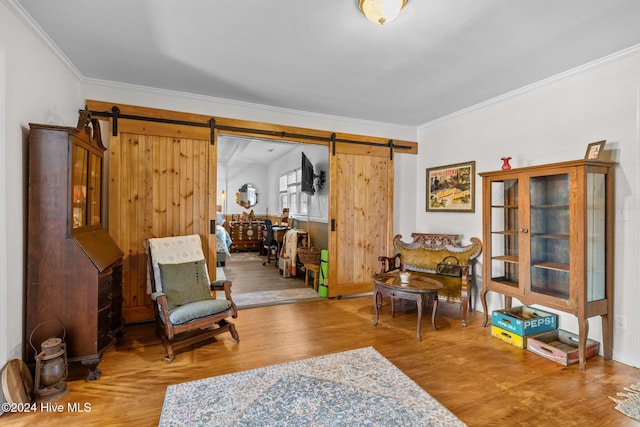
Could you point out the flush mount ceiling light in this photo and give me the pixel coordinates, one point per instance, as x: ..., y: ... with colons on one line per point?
x: 381, y: 11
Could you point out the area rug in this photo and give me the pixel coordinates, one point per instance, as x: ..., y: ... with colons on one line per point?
x: 630, y: 405
x: 352, y: 388
x: 265, y: 298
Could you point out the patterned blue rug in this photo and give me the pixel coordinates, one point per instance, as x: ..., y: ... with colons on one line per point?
x: 628, y: 402
x: 352, y: 388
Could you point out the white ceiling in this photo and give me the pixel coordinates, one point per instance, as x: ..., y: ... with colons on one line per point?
x: 233, y: 150
x: 324, y: 57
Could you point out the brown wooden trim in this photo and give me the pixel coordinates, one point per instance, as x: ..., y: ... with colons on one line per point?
x: 248, y: 128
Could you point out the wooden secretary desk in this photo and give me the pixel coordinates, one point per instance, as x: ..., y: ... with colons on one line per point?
x: 74, y: 268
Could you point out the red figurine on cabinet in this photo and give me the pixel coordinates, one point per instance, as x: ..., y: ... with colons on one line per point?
x: 505, y: 164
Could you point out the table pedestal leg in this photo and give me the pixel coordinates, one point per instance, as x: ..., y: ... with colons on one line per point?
x: 433, y: 312
x: 377, y: 302
x: 419, y: 300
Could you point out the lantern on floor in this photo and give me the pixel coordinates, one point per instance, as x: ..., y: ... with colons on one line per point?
x: 52, y: 367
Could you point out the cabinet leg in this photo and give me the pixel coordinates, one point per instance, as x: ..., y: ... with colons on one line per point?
x: 94, y: 373
x: 583, y: 329
x: 607, y: 336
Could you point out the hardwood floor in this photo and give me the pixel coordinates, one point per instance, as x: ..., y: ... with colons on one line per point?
x: 482, y: 380
x: 247, y: 273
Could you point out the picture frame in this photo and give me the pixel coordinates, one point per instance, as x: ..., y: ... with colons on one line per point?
x: 451, y: 188
x: 594, y: 150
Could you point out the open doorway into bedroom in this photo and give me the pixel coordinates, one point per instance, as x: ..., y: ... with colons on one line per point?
x: 273, y: 170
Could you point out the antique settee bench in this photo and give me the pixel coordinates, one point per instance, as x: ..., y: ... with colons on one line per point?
x: 423, y: 255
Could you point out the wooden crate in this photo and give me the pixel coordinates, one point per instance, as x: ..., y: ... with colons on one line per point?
x: 509, y: 337
x: 561, y: 346
x: 524, y: 320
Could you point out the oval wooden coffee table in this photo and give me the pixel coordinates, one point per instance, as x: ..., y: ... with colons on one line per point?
x: 419, y: 288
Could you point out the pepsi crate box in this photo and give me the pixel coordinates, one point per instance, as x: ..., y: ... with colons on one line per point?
x: 561, y: 346
x: 524, y: 320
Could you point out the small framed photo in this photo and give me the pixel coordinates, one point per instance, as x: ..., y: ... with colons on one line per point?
x: 594, y: 150
x: 451, y: 188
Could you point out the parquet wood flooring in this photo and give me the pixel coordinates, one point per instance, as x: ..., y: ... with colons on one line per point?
x: 482, y: 380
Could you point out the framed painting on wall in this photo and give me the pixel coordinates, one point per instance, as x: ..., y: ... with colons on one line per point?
x: 451, y: 188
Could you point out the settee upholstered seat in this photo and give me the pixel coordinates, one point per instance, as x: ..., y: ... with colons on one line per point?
x: 423, y: 255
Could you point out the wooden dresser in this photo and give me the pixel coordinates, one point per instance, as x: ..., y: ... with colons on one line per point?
x: 246, y: 235
x: 74, y: 268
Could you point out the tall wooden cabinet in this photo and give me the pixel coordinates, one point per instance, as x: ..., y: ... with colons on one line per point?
x: 548, y: 236
x: 74, y: 268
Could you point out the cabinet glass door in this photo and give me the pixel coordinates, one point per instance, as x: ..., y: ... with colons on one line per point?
x: 596, y: 237
x: 95, y: 194
x: 549, y: 235
x: 79, y: 162
x: 504, y: 232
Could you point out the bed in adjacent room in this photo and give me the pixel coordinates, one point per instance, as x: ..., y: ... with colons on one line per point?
x: 223, y: 242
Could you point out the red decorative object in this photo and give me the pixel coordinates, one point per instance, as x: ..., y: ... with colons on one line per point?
x: 505, y: 164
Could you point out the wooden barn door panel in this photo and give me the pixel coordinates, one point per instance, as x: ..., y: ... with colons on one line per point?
x: 158, y: 186
x: 361, y: 206
x: 162, y: 181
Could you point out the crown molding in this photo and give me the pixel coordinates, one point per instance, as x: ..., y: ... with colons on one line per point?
x: 242, y: 104
x: 36, y: 29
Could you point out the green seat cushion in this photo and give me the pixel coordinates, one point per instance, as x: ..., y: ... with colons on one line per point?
x: 196, y: 310
x: 184, y: 283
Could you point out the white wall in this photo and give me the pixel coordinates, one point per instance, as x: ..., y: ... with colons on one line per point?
x: 39, y: 89
x: 236, y: 176
x: 553, y: 121
x: 318, y: 203
x: 4, y: 354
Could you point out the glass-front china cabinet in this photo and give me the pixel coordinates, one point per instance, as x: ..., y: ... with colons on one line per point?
x: 548, y: 235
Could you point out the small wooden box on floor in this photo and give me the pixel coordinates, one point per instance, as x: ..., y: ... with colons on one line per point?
x: 524, y: 320
x: 561, y: 346
x: 509, y: 337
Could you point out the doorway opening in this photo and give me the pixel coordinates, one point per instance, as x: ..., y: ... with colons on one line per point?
x: 272, y: 169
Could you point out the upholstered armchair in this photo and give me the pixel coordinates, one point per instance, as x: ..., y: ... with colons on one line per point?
x: 186, y: 309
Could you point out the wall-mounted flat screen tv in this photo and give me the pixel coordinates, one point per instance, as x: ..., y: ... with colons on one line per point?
x: 306, y: 185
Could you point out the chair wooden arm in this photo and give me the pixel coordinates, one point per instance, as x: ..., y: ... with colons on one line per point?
x: 163, y: 307
x: 390, y: 263
x: 222, y: 285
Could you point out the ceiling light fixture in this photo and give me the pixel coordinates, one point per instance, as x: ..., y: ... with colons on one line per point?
x: 381, y: 11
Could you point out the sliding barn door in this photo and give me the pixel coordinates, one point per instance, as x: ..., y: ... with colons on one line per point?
x: 161, y: 182
x: 361, y: 216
